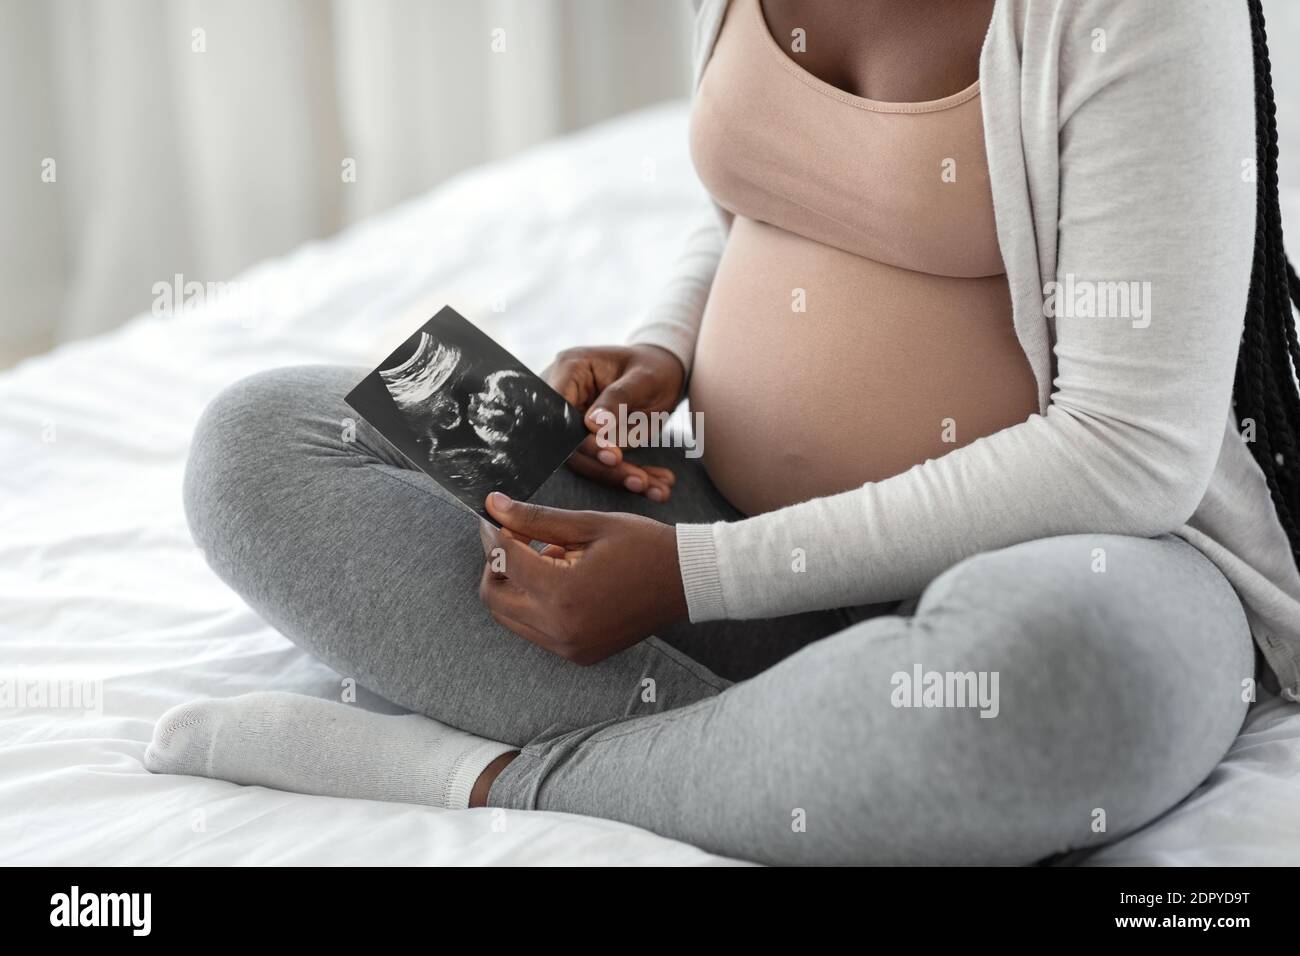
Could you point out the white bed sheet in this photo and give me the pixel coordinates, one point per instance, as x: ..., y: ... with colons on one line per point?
x: 100, y: 582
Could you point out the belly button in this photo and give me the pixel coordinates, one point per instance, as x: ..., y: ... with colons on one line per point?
x: 794, y: 459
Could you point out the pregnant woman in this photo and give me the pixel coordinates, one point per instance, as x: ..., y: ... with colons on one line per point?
x: 990, y: 329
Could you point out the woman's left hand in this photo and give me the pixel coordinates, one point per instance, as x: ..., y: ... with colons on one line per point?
x: 602, y: 583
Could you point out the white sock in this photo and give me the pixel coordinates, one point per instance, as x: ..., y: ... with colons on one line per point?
x: 308, y: 745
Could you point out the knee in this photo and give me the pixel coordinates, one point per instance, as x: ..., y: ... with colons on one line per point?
x: 1120, y: 664
x: 245, y: 439
x: 1106, y: 608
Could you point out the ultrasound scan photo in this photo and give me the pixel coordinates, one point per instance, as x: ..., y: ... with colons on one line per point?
x: 468, y: 413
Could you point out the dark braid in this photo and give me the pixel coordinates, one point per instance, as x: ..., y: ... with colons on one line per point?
x: 1265, y: 389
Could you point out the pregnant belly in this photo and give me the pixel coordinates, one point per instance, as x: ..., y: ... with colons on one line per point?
x: 883, y: 369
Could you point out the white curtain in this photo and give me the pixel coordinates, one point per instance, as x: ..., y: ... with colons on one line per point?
x: 147, y: 138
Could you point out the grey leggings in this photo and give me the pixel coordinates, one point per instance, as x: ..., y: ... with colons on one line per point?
x: 1119, y: 662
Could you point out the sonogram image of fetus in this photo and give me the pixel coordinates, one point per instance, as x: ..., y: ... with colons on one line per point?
x: 475, y: 428
x: 508, y: 402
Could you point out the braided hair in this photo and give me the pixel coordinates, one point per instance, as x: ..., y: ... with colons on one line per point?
x: 1265, y: 390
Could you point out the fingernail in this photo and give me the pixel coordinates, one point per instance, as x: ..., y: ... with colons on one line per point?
x: 600, y: 415
x: 656, y: 494
x: 633, y: 483
x: 500, y: 500
x: 607, y: 458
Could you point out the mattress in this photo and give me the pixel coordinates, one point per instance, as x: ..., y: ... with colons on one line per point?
x: 108, y: 614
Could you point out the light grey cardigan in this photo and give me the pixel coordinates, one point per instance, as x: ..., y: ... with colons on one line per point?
x: 1119, y: 135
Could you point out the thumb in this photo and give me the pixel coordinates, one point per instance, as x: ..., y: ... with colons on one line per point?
x: 539, y: 523
x: 632, y: 391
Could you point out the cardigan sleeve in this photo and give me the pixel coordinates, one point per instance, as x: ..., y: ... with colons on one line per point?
x: 673, y: 320
x: 1154, y: 135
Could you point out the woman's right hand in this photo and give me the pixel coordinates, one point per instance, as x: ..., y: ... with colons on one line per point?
x: 598, y: 379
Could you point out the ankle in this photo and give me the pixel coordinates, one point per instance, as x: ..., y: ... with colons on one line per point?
x: 479, y: 794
